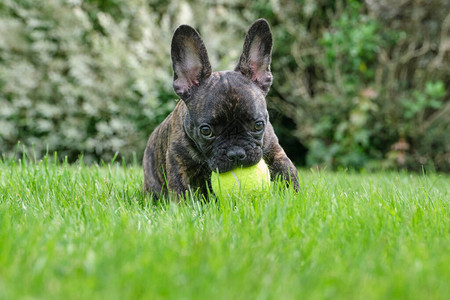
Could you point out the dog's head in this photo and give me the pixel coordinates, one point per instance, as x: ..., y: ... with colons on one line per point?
x: 226, y: 111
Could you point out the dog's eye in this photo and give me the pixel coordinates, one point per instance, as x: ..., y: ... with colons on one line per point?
x: 259, y: 125
x: 206, y: 131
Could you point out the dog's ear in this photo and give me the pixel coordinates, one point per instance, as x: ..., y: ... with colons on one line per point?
x: 257, y: 55
x: 189, y: 61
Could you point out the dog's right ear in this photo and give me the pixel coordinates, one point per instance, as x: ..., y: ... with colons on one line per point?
x: 190, y: 61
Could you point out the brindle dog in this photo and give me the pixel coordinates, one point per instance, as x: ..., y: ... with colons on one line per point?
x: 222, y: 121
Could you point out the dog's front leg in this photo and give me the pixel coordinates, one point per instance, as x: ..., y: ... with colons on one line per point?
x: 176, y: 176
x: 281, y: 166
x: 279, y: 163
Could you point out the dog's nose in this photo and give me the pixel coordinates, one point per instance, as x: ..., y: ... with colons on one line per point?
x: 236, y: 154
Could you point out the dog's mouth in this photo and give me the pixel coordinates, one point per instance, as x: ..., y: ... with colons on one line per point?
x: 224, y: 169
x: 222, y: 165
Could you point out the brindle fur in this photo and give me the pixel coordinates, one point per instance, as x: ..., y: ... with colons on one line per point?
x: 177, y: 157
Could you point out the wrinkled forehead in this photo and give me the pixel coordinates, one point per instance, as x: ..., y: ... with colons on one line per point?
x: 228, y: 95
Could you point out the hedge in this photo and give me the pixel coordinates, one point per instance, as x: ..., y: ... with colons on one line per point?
x: 357, y: 84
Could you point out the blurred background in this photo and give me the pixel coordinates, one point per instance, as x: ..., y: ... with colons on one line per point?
x: 357, y: 84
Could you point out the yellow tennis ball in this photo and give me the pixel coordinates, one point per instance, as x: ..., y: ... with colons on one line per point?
x: 241, y: 180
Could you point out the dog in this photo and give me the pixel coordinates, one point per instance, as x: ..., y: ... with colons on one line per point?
x: 221, y: 122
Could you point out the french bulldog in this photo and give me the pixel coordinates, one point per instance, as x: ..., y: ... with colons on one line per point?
x: 221, y: 122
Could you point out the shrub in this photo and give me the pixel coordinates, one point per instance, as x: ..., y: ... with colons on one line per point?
x: 76, y: 79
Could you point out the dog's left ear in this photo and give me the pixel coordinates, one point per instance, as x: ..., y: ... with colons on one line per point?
x: 257, y: 55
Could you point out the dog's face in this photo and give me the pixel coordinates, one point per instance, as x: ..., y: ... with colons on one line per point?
x: 226, y: 119
x: 226, y: 111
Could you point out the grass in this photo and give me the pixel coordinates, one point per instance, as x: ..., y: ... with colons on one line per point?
x: 79, y: 232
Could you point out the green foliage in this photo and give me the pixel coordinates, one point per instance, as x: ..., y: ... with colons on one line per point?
x: 86, y: 232
x: 352, y: 79
x: 352, y: 44
x: 80, y: 80
x: 431, y: 98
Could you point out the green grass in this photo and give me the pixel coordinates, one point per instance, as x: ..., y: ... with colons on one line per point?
x: 78, y: 232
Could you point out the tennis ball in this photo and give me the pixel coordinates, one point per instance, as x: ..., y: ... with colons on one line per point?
x: 244, y: 180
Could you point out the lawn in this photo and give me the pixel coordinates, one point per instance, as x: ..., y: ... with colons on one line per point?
x: 85, y: 232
